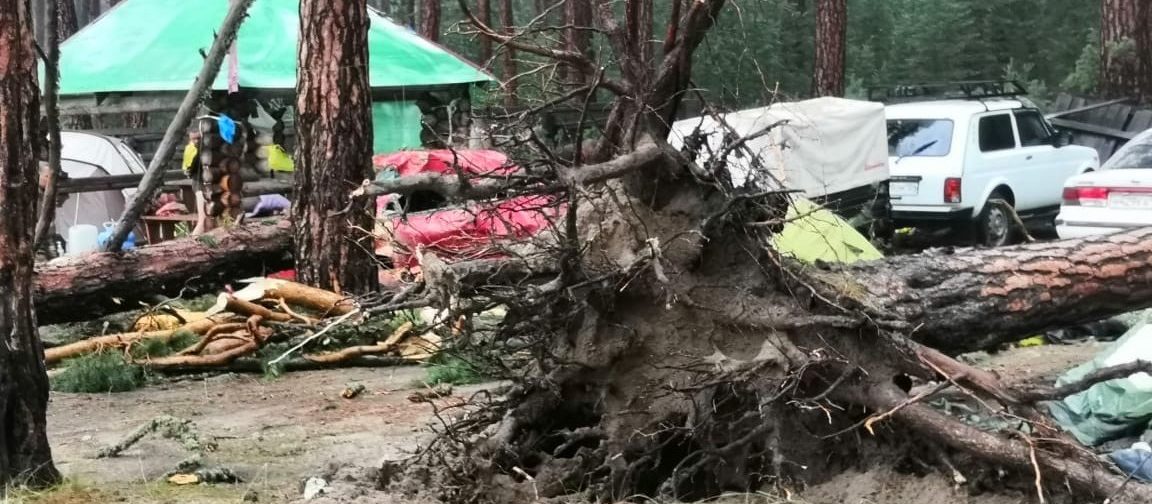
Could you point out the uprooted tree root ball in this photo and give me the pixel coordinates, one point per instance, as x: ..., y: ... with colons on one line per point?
x: 677, y: 355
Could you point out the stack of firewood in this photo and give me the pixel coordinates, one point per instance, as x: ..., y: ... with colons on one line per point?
x: 222, y: 161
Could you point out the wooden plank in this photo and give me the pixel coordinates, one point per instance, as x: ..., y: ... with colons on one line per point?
x: 1067, y: 108
x: 262, y: 187
x: 1096, y: 130
x: 119, y: 104
x: 109, y: 183
x: 128, y: 132
x: 1063, y: 102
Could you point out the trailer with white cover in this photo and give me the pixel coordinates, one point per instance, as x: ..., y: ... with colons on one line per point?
x: 832, y: 150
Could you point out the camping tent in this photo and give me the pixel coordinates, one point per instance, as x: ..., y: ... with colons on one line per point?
x: 154, y: 45
x: 151, y: 50
x: 91, y: 155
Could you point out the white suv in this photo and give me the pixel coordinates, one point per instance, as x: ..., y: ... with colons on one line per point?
x: 949, y: 157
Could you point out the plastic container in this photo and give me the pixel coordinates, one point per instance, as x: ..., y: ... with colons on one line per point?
x: 82, y: 238
x: 106, y: 234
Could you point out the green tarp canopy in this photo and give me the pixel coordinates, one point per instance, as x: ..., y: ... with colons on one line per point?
x: 154, y: 45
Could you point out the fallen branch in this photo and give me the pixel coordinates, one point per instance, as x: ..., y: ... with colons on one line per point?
x: 1087, y: 476
x: 313, y: 337
x: 1017, y: 222
x: 324, y: 302
x: 255, y: 366
x: 1048, y: 393
x: 90, y: 345
x: 452, y: 186
x: 355, y: 352
x: 166, y: 427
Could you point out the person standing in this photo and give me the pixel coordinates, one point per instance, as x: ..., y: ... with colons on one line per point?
x: 195, y: 170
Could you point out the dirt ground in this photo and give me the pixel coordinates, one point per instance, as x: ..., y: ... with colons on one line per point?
x: 277, y: 433
x: 273, y: 433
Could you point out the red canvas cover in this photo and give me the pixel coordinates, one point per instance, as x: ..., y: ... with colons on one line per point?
x: 472, y: 162
x: 459, y: 233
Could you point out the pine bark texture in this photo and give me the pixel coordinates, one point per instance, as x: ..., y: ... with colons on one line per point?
x: 430, y: 20
x: 1125, y: 49
x: 831, y: 47
x: 484, y: 12
x: 333, y: 147
x: 83, y: 288
x: 508, y: 68
x: 69, y: 22
x: 25, y: 456
x: 578, y: 15
x: 976, y: 300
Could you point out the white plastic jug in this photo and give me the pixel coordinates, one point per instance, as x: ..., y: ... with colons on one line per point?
x: 82, y: 239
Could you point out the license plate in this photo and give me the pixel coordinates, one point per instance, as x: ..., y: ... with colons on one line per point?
x: 1130, y: 201
x: 903, y: 188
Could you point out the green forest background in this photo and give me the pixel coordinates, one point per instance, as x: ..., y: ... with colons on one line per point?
x: 767, y: 45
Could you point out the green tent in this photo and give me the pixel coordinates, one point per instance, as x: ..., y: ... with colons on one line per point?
x: 813, y: 233
x: 154, y: 45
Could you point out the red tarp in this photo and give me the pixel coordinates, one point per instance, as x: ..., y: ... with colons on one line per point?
x: 459, y: 233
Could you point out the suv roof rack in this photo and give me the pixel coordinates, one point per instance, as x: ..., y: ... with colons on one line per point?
x: 963, y: 90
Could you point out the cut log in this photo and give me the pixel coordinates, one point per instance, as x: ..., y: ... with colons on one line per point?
x: 980, y: 299
x: 82, y: 288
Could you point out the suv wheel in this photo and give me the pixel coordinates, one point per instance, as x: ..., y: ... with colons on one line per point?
x: 995, y: 227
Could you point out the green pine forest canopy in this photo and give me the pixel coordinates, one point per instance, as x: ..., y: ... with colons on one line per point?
x: 154, y: 45
x: 1048, y: 44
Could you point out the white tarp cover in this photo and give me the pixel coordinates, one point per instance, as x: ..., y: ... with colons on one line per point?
x: 826, y: 146
x: 86, y: 155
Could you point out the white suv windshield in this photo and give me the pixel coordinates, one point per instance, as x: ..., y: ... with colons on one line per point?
x: 919, y: 137
x: 1137, y: 154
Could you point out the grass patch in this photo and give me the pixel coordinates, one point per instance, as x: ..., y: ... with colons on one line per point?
x: 450, y: 369
x: 99, y: 373
x: 159, y: 348
x: 154, y: 492
x: 208, y: 241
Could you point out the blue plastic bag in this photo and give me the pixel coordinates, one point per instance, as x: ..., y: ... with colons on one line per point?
x: 227, y: 128
x: 1135, y: 461
x: 106, y: 234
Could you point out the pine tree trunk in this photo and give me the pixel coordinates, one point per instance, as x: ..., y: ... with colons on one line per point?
x: 1125, y: 45
x: 333, y: 147
x: 508, y: 68
x: 69, y: 22
x: 25, y: 456
x: 578, y: 14
x: 831, y: 32
x: 484, y: 12
x: 430, y: 20
x: 70, y: 19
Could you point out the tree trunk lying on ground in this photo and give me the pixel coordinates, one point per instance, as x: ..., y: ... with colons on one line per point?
x: 87, y: 287
x: 958, y: 301
x: 677, y: 356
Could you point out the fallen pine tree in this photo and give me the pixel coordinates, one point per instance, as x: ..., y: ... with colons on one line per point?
x: 73, y: 289
x: 679, y: 356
